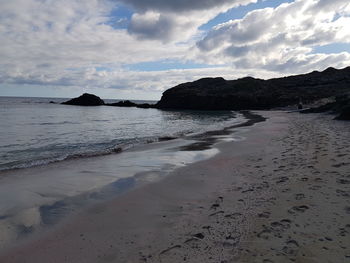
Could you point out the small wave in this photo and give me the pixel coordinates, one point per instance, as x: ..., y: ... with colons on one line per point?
x: 57, y: 123
x: 101, y: 120
x: 10, y: 145
x: 45, y: 161
x: 15, y: 165
x: 31, y: 156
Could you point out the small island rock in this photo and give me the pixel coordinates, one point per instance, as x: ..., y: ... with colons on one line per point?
x: 85, y: 100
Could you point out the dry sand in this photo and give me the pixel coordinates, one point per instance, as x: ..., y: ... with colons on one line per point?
x: 281, y: 195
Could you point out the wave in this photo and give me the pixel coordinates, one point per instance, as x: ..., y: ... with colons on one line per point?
x: 56, y: 123
x: 15, y: 165
x: 32, y: 156
x: 44, y: 161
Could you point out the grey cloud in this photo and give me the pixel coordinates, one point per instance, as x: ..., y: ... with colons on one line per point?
x: 181, y: 5
x: 282, y: 38
x: 310, y: 62
x: 160, y: 27
x: 175, y: 20
x: 239, y: 32
x: 38, y: 80
x: 53, y: 55
x: 254, y: 25
x: 319, y: 37
x: 325, y: 5
x: 237, y: 51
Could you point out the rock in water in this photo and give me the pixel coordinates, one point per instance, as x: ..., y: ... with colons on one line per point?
x: 123, y: 103
x: 128, y: 103
x: 85, y: 100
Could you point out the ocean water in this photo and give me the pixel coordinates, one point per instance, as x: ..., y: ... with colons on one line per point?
x: 35, y: 132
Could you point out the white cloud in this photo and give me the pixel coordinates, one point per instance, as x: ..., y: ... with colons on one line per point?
x: 169, y: 20
x: 62, y: 42
x: 281, y: 39
x: 41, y: 41
x: 182, y: 5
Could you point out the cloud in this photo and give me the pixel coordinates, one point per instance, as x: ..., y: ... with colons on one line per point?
x: 175, y: 20
x: 71, y: 43
x: 42, y: 41
x: 62, y: 42
x: 182, y: 5
x: 142, y: 82
x: 281, y: 38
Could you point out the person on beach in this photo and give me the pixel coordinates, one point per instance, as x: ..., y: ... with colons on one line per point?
x: 300, y: 105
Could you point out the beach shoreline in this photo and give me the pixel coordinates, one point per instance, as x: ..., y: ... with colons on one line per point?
x: 36, y: 199
x: 248, y: 203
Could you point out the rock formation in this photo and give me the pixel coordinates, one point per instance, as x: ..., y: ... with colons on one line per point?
x: 128, y: 103
x: 85, y: 100
x: 341, y: 107
x: 256, y: 94
x: 249, y: 93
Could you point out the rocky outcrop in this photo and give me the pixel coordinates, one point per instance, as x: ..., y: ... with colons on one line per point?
x: 123, y: 103
x: 256, y: 94
x: 341, y: 107
x: 344, y: 114
x: 128, y: 103
x: 92, y: 100
x: 85, y: 100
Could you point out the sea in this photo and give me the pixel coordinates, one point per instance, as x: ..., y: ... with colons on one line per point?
x: 39, y: 131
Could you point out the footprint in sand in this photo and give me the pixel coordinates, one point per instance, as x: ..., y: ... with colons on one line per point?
x: 299, y: 196
x: 347, y: 209
x: 264, y: 215
x: 298, y: 209
x: 291, y: 247
x: 343, y: 181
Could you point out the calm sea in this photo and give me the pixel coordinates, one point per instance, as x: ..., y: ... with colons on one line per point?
x: 34, y: 131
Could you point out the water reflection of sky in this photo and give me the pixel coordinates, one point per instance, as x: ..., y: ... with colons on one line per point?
x: 42, y: 196
x: 37, y: 198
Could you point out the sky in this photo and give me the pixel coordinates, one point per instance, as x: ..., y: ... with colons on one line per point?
x: 136, y: 49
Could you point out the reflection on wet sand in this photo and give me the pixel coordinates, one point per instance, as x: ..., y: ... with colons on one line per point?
x: 37, y: 198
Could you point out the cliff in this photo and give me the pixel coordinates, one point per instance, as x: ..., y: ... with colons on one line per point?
x: 256, y: 94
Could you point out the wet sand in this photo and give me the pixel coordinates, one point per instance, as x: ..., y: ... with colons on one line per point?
x: 281, y: 195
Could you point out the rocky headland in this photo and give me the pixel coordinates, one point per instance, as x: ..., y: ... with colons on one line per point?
x: 256, y: 94
x: 250, y: 94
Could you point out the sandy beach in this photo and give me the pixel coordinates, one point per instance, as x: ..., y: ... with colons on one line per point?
x: 279, y: 195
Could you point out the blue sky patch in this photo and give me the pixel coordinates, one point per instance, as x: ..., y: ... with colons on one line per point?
x: 241, y: 11
x: 119, y: 17
x: 167, y: 65
x: 332, y: 48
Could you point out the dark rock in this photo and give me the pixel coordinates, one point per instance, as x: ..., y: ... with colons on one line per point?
x: 320, y: 109
x: 52, y: 102
x: 146, y: 106
x: 85, y: 100
x: 344, y: 114
x: 123, y: 103
x: 256, y: 94
x: 128, y: 103
x: 341, y: 106
x: 166, y: 138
